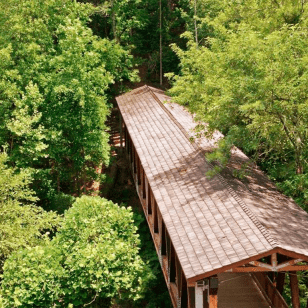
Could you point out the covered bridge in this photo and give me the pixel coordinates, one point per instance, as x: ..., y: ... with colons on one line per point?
x: 221, y: 241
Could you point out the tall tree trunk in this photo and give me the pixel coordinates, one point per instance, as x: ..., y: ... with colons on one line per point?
x: 160, y: 45
x: 114, y: 25
x: 195, y: 21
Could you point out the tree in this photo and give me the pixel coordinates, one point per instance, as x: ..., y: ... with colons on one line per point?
x: 55, y: 75
x: 249, y: 83
x: 22, y: 224
x: 93, y: 257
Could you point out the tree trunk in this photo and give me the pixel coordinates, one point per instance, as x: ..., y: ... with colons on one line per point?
x: 195, y: 21
x: 114, y: 26
x: 160, y: 45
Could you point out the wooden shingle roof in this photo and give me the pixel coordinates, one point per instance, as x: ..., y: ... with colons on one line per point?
x: 212, y: 222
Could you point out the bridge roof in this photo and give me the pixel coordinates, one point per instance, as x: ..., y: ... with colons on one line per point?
x: 212, y: 222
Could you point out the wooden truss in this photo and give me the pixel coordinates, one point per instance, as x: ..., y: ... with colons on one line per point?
x: 273, y: 266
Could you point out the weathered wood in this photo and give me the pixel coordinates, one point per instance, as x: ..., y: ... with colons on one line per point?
x: 261, y: 264
x: 138, y: 170
x: 150, y: 200
x: 191, y: 297
x: 163, y: 239
x: 294, y: 290
x: 184, y: 295
x: 280, y: 282
x: 274, y: 259
x: 269, y: 291
x: 294, y: 268
x: 288, y: 263
x: 248, y: 269
x: 172, y: 271
x: 155, y: 218
x: 178, y: 277
x: 143, y: 181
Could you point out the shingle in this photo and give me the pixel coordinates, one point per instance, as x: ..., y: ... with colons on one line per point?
x: 211, y: 222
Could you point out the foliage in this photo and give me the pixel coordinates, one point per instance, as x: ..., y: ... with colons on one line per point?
x: 22, y: 224
x: 94, y: 256
x: 54, y: 77
x: 251, y: 86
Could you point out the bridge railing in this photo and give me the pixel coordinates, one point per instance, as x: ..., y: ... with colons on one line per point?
x: 269, y: 290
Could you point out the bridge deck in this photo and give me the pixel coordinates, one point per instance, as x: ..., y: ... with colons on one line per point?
x: 238, y: 290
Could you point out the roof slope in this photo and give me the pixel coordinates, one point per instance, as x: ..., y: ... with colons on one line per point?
x: 212, y: 222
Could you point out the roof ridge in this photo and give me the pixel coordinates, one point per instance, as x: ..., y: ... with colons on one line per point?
x: 272, y: 241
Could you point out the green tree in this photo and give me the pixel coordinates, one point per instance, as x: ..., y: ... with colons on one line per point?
x: 55, y: 75
x: 93, y: 258
x: 22, y: 224
x: 250, y: 84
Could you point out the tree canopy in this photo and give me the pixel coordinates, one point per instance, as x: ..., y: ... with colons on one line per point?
x: 92, y: 258
x: 247, y: 78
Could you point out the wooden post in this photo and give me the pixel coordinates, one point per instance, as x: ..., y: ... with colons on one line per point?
x: 138, y: 170
x: 163, y: 239
x: 280, y: 282
x: 144, y: 183
x: 172, y: 269
x: 184, y: 295
x: 213, y: 301
x: 121, y: 133
x: 155, y: 216
x: 150, y: 198
x: 191, y: 297
x: 294, y: 290
x: 179, y: 277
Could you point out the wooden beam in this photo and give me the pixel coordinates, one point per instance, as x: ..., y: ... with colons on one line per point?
x: 294, y: 290
x: 294, y: 268
x: 192, y: 280
x: 287, y: 263
x: 261, y: 264
x: 247, y: 269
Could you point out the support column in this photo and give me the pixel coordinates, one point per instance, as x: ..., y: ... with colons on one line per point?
x: 294, y: 290
x: 280, y: 282
x: 150, y: 198
x: 213, y: 300
x: 121, y: 132
x: 155, y: 218
x: 163, y: 239
x: 171, y: 262
x: 184, y: 295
